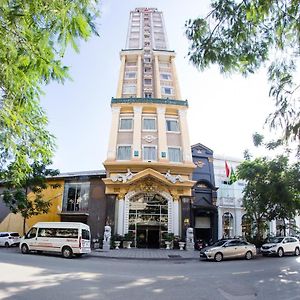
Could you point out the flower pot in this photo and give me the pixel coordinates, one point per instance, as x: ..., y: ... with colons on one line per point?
x: 168, y: 245
x: 181, y: 245
x: 117, y: 245
x: 127, y: 244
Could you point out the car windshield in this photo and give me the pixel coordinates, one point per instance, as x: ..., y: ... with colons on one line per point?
x: 219, y: 243
x: 275, y: 240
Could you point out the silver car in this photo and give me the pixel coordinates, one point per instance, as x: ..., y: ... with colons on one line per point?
x: 231, y: 248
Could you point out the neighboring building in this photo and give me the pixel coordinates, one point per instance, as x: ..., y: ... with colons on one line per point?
x: 232, y: 216
x: 149, y: 164
x: 204, y: 209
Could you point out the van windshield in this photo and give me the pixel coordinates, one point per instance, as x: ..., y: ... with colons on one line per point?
x: 85, y: 234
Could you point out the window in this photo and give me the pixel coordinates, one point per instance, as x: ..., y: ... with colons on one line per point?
x: 174, y: 154
x: 31, y: 234
x: 167, y: 90
x: 124, y: 153
x: 130, y: 75
x: 165, y: 76
x: 148, y: 81
x: 172, y: 125
x: 147, y: 59
x: 131, y: 64
x: 148, y: 95
x: 149, y: 124
x: 129, y: 89
x: 76, y: 196
x: 126, y: 123
x: 58, y: 233
x: 149, y: 153
x: 85, y: 234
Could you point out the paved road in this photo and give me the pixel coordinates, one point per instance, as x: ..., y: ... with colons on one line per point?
x: 52, y: 277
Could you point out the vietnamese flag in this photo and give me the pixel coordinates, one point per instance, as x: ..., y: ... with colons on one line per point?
x: 227, y: 169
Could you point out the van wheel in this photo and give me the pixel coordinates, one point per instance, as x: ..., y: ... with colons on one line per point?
x: 297, y: 251
x: 248, y: 255
x: 218, y: 257
x: 280, y: 252
x: 67, y: 252
x: 6, y: 244
x: 24, y: 249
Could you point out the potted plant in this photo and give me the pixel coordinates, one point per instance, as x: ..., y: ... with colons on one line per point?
x: 181, y: 244
x: 116, y: 240
x: 128, y: 239
x: 168, y: 237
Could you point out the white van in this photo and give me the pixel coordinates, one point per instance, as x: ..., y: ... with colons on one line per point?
x: 67, y: 238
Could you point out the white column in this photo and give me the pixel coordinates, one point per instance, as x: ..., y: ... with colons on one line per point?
x: 175, y: 79
x: 121, y: 77
x: 139, y: 77
x: 162, y: 134
x: 273, y: 227
x: 120, y: 217
x: 176, y: 217
x: 112, y: 144
x: 238, y: 222
x: 157, y: 78
x: 220, y: 223
x: 185, y: 139
x: 137, y: 131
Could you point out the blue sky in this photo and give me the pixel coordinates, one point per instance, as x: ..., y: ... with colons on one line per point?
x: 223, y: 114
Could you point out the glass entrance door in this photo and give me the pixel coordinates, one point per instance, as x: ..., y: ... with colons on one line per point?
x: 148, y: 219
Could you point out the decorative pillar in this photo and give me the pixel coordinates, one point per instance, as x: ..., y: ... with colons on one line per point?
x: 120, y: 215
x: 176, y: 216
x: 112, y: 144
x: 175, y: 79
x: 185, y: 139
x: 238, y: 222
x: 139, y: 77
x: 137, y: 133
x: 157, y: 78
x: 121, y: 76
x: 220, y: 223
x: 162, y: 134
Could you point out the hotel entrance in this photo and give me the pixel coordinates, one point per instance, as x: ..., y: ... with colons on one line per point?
x: 148, y: 219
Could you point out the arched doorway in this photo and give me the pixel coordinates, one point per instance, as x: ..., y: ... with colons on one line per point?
x: 148, y: 219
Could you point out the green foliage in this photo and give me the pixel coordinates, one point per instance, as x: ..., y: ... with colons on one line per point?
x: 242, y: 36
x: 16, y: 196
x: 169, y: 237
x: 272, y: 189
x: 129, y: 237
x: 34, y: 38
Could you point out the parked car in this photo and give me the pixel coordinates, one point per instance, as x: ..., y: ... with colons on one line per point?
x: 280, y: 246
x: 9, y: 239
x: 229, y: 248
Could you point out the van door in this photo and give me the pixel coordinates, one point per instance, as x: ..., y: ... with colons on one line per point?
x: 31, y: 239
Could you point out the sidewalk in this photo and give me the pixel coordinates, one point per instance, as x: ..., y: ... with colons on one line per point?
x: 146, y: 254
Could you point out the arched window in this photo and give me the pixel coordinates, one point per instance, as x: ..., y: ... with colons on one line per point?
x: 227, y: 220
x: 246, y: 225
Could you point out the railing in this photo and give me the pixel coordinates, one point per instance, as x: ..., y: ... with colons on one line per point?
x: 150, y: 100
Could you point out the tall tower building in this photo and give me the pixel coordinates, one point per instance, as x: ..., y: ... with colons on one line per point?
x: 149, y: 162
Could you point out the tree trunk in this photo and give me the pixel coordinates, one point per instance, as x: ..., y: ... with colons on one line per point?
x: 284, y: 227
x: 24, y: 226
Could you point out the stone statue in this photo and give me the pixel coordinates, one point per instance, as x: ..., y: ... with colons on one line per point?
x: 123, y: 177
x: 106, y: 239
x: 190, y: 238
x: 174, y: 178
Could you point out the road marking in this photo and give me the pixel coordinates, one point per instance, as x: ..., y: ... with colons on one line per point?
x: 237, y: 273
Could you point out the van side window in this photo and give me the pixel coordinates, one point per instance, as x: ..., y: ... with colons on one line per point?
x: 31, y: 233
x: 85, y: 234
x: 58, y: 233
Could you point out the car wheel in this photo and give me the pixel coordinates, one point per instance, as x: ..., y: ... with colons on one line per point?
x: 297, y: 251
x: 6, y: 244
x: 248, y: 255
x: 218, y: 257
x: 24, y: 249
x: 67, y: 252
x: 280, y: 252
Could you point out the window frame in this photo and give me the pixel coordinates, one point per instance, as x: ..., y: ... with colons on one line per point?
x: 180, y: 152
x: 172, y: 131
x: 149, y: 118
x: 124, y: 145
x: 124, y: 129
x: 149, y: 146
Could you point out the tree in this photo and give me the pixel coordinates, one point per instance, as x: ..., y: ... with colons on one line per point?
x: 19, y: 199
x: 242, y: 36
x: 272, y: 189
x: 34, y: 37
